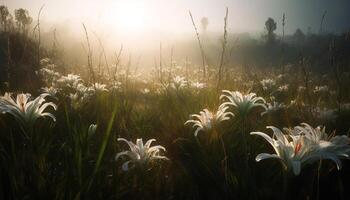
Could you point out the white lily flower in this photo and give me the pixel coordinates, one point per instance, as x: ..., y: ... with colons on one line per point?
x: 315, y: 135
x: 292, y: 151
x: 145, y: 91
x: 321, y: 89
x: 71, y: 80
x: 325, y: 147
x: 243, y: 103
x: 98, y: 87
x: 81, y: 88
x: 206, y: 120
x: 141, y: 154
x: 25, y: 111
x: 281, y: 76
x: 304, y: 145
x: 178, y: 82
x: 52, y: 91
x: 115, y: 86
x: 268, y: 84
x: 79, y: 99
x: 273, y: 107
x: 198, y: 85
x: 92, y: 130
x: 49, y: 74
x: 283, y: 88
x: 301, y: 89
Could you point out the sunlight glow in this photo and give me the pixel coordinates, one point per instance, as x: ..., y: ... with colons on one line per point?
x: 128, y: 16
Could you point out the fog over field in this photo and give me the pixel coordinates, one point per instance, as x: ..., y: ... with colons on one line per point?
x: 175, y: 99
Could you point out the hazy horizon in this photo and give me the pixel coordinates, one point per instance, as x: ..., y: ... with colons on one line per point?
x: 132, y: 17
x: 140, y: 25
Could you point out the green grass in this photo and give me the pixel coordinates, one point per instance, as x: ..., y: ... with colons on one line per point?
x: 61, y: 161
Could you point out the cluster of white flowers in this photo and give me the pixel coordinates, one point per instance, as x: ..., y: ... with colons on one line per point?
x: 49, y: 76
x: 116, y: 86
x: 52, y: 91
x: 178, y: 82
x: 82, y: 94
x: 301, y: 89
x: 98, y: 87
x: 71, y: 85
x: 71, y: 81
x: 198, y: 85
x: 145, y: 91
x: 280, y: 77
x: 321, y: 89
x: 206, y: 121
x: 294, y: 147
x: 47, y: 71
x: 273, y: 107
x: 283, y: 88
x: 268, y: 84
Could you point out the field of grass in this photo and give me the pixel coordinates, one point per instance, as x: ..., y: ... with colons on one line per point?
x: 250, y: 126
x: 64, y: 156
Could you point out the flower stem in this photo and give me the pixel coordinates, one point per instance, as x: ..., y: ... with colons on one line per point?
x: 318, y: 180
x: 285, y: 184
x: 225, y: 157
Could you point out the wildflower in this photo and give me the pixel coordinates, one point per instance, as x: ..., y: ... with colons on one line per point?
x: 141, y: 154
x: 116, y: 86
x: 52, y: 91
x: 324, y: 146
x: 273, y: 107
x: 206, y: 120
x: 301, y: 89
x: 49, y: 75
x: 292, y: 151
x: 242, y: 103
x: 45, y: 61
x: 26, y: 112
x: 71, y: 80
x: 321, y: 89
x: 283, y: 88
x: 304, y: 145
x: 145, y: 91
x: 198, y: 85
x: 178, y: 82
x: 268, y: 84
x: 79, y: 99
x: 81, y: 88
x: 98, y: 87
x: 281, y: 76
x: 92, y: 130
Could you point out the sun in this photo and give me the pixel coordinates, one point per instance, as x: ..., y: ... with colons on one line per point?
x: 127, y: 16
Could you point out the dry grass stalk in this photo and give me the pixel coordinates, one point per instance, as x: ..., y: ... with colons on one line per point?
x: 200, y: 45
x: 224, y: 45
x: 89, y: 56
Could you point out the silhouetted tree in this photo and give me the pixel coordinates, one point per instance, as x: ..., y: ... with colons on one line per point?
x: 309, y: 32
x: 204, y: 23
x: 299, y: 36
x: 270, y: 26
x: 23, y: 19
x: 5, y: 18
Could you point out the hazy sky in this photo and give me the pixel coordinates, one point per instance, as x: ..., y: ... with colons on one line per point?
x: 140, y: 25
x: 130, y: 16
